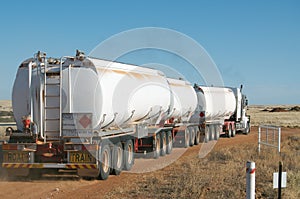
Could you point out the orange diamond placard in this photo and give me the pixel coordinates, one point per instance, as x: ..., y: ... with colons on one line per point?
x: 85, y: 121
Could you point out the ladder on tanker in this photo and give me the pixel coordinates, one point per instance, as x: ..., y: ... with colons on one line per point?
x: 52, y: 102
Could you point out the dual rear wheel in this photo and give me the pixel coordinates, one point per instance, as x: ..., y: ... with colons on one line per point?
x: 163, y: 144
x: 112, y: 160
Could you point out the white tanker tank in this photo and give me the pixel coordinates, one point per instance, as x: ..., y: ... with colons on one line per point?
x: 115, y: 94
x: 184, y: 98
x: 214, y: 103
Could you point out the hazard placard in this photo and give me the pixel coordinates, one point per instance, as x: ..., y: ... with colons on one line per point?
x: 74, y: 124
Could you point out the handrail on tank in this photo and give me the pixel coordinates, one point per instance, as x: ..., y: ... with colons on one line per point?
x: 157, y: 114
x: 147, y: 114
x: 60, y: 90
x: 112, y: 121
x: 38, y: 57
x: 132, y: 113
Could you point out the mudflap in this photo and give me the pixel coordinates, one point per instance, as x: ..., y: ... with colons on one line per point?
x: 88, y: 172
x: 179, y: 141
x: 17, y: 172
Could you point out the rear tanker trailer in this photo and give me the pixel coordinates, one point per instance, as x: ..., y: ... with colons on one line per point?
x: 92, y: 116
x: 222, y: 111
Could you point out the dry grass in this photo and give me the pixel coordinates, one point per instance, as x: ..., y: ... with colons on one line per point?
x: 284, y: 119
x: 219, y: 175
x: 5, y: 106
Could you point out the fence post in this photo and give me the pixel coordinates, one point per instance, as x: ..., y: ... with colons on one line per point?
x: 279, y: 136
x: 279, y: 179
x: 250, y: 180
x: 259, y: 134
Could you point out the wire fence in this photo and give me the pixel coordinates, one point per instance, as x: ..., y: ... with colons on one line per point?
x: 269, y: 136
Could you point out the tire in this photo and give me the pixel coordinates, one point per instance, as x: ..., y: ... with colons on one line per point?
x: 233, y: 132
x: 105, y: 161
x: 163, y: 144
x: 169, y: 142
x: 212, y: 132
x: 247, y: 129
x: 197, y: 135
x: 206, y: 138
x: 217, y: 132
x: 192, y: 136
x: 117, y: 159
x: 229, y: 132
x: 186, y: 138
x: 128, y: 155
x: 156, y: 152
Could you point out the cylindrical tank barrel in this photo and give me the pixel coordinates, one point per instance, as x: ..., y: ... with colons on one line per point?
x: 115, y: 93
x: 184, y: 99
x: 216, y: 102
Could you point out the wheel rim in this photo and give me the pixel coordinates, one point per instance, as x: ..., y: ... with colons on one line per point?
x: 130, y: 154
x: 206, y: 134
x: 119, y: 159
x: 105, y: 165
x: 157, y: 145
x: 187, y: 137
x: 170, y: 141
x: 192, y: 137
x: 229, y: 131
x: 165, y: 143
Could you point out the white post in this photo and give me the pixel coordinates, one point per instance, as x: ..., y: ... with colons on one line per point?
x: 250, y: 180
x: 279, y: 136
x: 259, y: 134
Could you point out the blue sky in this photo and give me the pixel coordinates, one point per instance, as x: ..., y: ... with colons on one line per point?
x: 255, y: 43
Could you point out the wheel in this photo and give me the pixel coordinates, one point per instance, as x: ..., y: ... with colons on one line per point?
x: 206, y: 139
x: 217, y: 132
x: 163, y: 144
x: 212, y: 132
x: 197, y: 135
x: 128, y: 155
x: 233, y: 132
x: 247, y: 129
x: 117, y: 159
x: 192, y: 136
x: 186, y: 138
x: 156, y: 152
x: 105, y: 162
x: 169, y: 142
x: 229, y: 131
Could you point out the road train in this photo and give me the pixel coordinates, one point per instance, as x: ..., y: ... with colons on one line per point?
x: 92, y: 116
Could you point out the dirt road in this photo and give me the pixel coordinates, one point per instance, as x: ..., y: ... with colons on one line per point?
x: 79, y: 188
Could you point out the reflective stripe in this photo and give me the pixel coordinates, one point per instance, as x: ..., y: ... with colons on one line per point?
x: 81, y: 166
x: 39, y: 166
x: 20, y: 165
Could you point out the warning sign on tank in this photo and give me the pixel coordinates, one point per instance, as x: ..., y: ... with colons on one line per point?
x: 76, y: 122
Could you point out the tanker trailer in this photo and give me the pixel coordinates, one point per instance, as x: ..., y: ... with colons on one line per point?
x: 215, y: 105
x: 185, y: 102
x: 90, y: 115
x: 216, y: 111
x: 106, y: 105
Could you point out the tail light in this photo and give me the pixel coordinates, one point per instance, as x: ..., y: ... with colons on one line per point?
x: 202, y: 114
